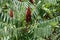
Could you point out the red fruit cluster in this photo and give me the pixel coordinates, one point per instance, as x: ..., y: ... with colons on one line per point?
x: 32, y: 1
x: 28, y: 15
x: 11, y: 13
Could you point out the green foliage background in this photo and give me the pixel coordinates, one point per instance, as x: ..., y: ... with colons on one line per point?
x: 45, y: 23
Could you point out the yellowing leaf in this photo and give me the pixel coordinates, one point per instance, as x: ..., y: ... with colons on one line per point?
x: 53, y: 23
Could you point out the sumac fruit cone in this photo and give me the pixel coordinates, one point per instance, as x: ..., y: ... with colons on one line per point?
x: 28, y: 15
x: 32, y: 1
x: 11, y: 13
